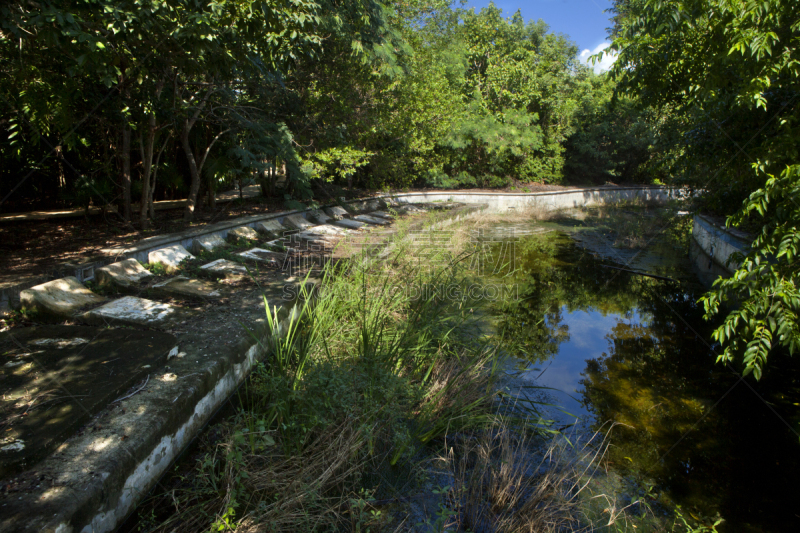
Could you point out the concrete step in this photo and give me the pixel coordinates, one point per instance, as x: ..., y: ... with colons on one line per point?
x: 297, y: 222
x: 171, y: 257
x: 319, y: 217
x: 134, y: 311
x: 207, y: 243
x: 349, y: 223
x: 183, y: 287
x: 58, y: 299
x: 94, y: 480
x: 329, y: 229
x: 272, y: 229
x: 376, y: 221
x: 406, y: 209
x: 223, y: 268
x: 337, y: 212
x: 364, y: 206
x: 122, y: 275
x: 243, y: 232
x: 264, y: 256
x: 382, y: 214
x: 314, y: 238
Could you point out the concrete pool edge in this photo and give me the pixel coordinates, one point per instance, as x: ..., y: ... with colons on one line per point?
x: 719, y: 242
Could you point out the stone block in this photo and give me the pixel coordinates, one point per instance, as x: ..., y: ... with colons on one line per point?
x: 372, y: 220
x: 381, y: 214
x: 409, y: 208
x: 10, y: 290
x: 60, y: 298
x: 297, y: 222
x: 122, y: 274
x: 243, y: 232
x: 132, y: 311
x: 319, y: 217
x: 272, y: 229
x: 207, y: 243
x: 170, y: 257
x: 84, y: 271
x: 349, y: 224
x: 328, y: 229
x: 264, y: 256
x: 181, y: 286
x: 223, y: 268
x: 310, y: 237
x: 337, y: 212
x: 364, y: 206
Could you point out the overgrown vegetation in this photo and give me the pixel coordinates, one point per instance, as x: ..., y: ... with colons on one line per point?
x: 359, y: 379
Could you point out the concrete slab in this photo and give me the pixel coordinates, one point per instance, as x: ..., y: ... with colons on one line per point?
x: 54, y: 378
x: 223, y: 268
x: 382, y: 214
x: 349, y: 224
x: 84, y: 270
x: 11, y: 288
x: 328, y: 229
x: 133, y: 311
x: 408, y: 208
x: 337, y: 212
x: 243, y: 232
x: 125, y: 274
x: 364, y: 206
x: 297, y: 222
x: 319, y: 217
x: 272, y: 229
x: 314, y: 238
x: 207, y: 243
x: 181, y: 286
x: 170, y: 257
x: 372, y: 220
x: 264, y: 256
x: 60, y: 298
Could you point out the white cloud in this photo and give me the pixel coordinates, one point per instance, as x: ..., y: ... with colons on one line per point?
x: 602, y: 65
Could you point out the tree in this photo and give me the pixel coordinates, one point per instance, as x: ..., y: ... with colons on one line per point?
x: 730, y: 69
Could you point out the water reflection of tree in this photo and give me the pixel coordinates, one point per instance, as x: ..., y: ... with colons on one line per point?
x: 654, y: 376
x: 660, y: 379
x: 552, y: 275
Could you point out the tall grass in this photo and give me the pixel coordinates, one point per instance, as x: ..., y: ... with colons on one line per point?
x: 362, y: 374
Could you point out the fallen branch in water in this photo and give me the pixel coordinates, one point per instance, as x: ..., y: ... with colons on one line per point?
x: 664, y: 278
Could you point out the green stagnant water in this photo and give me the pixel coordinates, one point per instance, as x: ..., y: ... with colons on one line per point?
x: 625, y: 348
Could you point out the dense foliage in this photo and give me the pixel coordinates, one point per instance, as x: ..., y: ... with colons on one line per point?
x: 726, y: 73
x: 117, y: 102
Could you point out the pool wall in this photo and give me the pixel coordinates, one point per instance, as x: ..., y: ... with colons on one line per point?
x: 718, y: 242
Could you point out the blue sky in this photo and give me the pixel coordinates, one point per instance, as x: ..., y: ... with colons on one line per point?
x: 583, y: 20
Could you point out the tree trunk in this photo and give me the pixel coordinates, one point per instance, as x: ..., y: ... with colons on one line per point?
x: 194, y: 187
x: 212, y: 193
x: 125, y: 160
x: 146, y: 146
x: 155, y: 175
x: 273, y: 177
